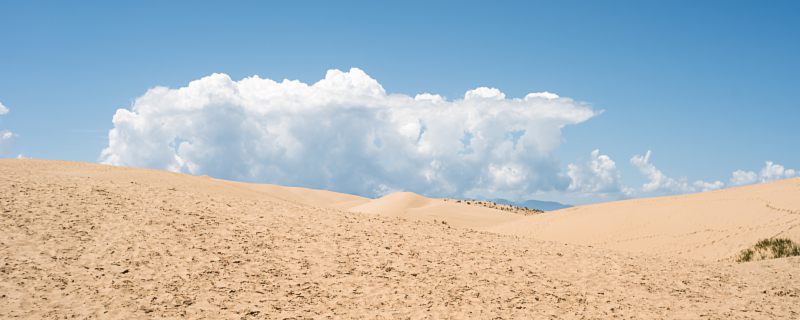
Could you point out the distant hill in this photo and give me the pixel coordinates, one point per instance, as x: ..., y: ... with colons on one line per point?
x: 534, y: 204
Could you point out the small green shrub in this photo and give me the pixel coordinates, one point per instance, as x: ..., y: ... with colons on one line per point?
x: 745, y: 256
x: 771, y: 248
x: 780, y: 247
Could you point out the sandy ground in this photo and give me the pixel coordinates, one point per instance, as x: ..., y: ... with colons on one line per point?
x: 710, y: 226
x: 90, y: 241
x: 707, y: 226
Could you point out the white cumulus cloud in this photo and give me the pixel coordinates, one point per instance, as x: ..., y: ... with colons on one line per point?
x: 598, y: 176
x: 741, y: 177
x: 3, y: 109
x: 660, y: 183
x: 346, y: 133
x: 770, y: 172
x: 773, y: 171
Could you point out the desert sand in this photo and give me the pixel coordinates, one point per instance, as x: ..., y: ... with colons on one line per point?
x: 710, y: 226
x: 92, y: 241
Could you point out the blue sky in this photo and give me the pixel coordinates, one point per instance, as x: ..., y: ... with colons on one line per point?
x: 708, y: 86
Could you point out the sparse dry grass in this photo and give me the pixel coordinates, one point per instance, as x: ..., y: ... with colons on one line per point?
x: 771, y: 248
x: 498, y: 206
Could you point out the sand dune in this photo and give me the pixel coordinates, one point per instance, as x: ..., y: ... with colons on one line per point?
x: 413, y: 206
x: 397, y: 203
x: 709, y: 226
x: 90, y: 241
